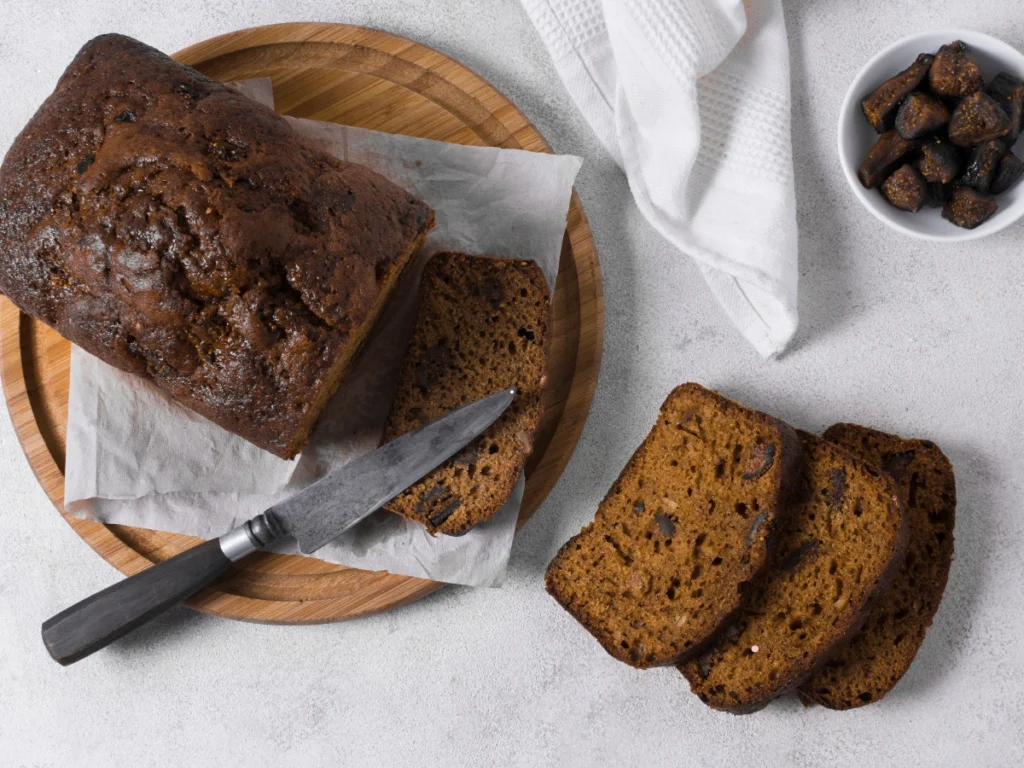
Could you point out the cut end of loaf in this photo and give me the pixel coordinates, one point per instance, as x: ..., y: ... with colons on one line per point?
x: 349, y: 354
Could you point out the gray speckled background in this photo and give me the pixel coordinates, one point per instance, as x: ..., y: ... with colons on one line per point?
x: 902, y: 335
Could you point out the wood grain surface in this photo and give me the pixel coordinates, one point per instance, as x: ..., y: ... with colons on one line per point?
x: 374, y: 80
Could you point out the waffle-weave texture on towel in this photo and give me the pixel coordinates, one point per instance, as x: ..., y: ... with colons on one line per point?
x: 692, y: 99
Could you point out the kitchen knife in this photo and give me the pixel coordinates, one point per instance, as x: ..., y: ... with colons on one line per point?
x: 313, y: 517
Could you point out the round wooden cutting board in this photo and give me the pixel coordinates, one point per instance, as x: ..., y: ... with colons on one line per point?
x: 374, y: 80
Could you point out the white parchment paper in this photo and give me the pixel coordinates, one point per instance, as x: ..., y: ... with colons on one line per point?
x: 134, y: 457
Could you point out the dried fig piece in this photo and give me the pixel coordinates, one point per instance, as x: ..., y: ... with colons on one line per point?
x: 438, y: 504
x: 439, y: 515
x: 977, y: 119
x: 905, y: 189
x: 981, y: 170
x: 920, y: 115
x: 889, y: 150
x: 940, y: 162
x: 955, y: 74
x: 938, y: 194
x: 665, y: 524
x: 436, y: 360
x: 754, y: 531
x: 1008, y: 92
x: 968, y: 208
x: 881, y: 106
x: 760, y: 459
x: 1011, y: 168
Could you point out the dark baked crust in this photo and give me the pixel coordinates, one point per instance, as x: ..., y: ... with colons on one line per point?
x: 482, y: 325
x: 871, y: 664
x: 844, y: 541
x: 690, y: 518
x: 180, y: 231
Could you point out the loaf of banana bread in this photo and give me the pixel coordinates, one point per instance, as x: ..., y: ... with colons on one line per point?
x: 177, y: 230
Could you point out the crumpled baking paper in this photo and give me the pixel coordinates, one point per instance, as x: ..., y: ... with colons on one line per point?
x: 136, y: 458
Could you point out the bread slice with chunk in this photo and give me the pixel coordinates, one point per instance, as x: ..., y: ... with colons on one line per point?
x: 482, y: 326
x: 688, y: 522
x: 872, y: 663
x: 844, y: 539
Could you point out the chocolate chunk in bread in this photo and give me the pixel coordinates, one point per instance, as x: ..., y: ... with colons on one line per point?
x: 686, y: 524
x: 843, y: 541
x: 182, y: 232
x: 876, y: 658
x: 482, y: 326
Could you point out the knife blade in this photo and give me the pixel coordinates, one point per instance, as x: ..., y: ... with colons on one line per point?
x: 365, y: 484
x: 314, y: 516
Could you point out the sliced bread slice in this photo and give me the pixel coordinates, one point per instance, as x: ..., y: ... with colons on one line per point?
x: 687, y: 522
x: 482, y: 325
x: 845, y: 538
x: 872, y: 663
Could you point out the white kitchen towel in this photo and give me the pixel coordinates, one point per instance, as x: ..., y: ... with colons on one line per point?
x: 692, y: 99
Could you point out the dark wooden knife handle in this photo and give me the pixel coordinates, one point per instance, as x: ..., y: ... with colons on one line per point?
x: 97, y: 621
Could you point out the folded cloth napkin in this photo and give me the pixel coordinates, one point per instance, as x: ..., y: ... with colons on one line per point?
x: 692, y: 100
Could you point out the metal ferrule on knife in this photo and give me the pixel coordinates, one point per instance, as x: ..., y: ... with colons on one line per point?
x: 251, y: 536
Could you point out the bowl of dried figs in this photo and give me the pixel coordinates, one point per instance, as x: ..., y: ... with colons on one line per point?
x: 928, y: 135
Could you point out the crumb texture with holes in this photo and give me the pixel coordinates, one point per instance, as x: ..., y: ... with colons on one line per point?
x: 688, y: 521
x: 182, y: 232
x: 876, y: 658
x: 482, y: 326
x: 844, y: 539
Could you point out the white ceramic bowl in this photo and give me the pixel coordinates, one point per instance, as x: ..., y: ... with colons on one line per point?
x: 856, y: 136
